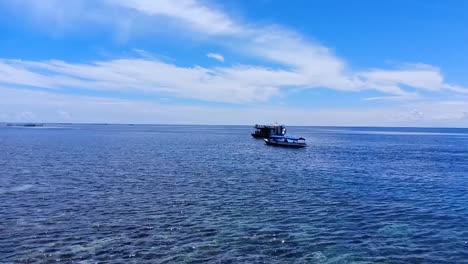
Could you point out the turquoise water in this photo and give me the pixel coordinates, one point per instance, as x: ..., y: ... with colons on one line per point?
x: 212, y: 194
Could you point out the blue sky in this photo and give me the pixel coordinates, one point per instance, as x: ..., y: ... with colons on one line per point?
x: 391, y: 63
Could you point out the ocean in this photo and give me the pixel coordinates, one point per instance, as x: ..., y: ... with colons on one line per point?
x: 213, y: 194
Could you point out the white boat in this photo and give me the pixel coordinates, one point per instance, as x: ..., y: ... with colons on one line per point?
x: 286, y: 141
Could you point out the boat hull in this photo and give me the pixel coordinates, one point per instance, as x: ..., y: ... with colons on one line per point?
x: 258, y: 136
x: 285, y: 144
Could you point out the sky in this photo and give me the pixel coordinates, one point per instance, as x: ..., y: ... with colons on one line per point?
x: 298, y: 62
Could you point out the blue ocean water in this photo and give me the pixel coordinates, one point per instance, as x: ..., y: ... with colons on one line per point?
x: 213, y: 194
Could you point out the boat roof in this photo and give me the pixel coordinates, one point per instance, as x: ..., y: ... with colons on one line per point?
x: 267, y: 126
x: 287, y: 137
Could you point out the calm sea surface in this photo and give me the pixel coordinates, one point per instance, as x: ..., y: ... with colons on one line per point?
x: 213, y: 194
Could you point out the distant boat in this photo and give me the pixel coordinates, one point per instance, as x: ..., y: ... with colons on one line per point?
x: 286, y: 141
x: 265, y: 131
x: 32, y: 125
x: 25, y: 124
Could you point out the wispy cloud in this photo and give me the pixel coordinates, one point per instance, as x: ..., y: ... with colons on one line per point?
x: 40, y: 106
x: 143, y: 75
x: 190, y: 13
x: 242, y: 83
x: 299, y: 62
x: 424, y: 77
x: 455, y: 88
x: 305, y: 63
x: 216, y: 56
x: 409, y: 97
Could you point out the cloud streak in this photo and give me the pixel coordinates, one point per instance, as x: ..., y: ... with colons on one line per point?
x: 40, y: 106
x: 287, y: 59
x: 190, y: 13
x: 234, y: 84
x: 216, y: 56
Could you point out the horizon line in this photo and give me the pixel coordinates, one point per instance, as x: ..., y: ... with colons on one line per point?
x: 181, y: 124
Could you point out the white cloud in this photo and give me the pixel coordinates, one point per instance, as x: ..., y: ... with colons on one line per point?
x: 464, y: 115
x: 455, y: 88
x: 190, y: 13
x: 40, y: 106
x: 25, y: 116
x: 304, y: 63
x: 216, y: 56
x: 142, y: 75
x: 64, y: 115
x: 125, y: 18
x: 300, y: 62
x: 428, y: 78
x: 407, y: 97
x: 57, y: 17
x: 242, y: 83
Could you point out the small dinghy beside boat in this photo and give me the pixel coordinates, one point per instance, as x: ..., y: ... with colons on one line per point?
x: 286, y: 141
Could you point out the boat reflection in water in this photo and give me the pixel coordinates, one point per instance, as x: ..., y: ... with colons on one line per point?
x: 286, y: 141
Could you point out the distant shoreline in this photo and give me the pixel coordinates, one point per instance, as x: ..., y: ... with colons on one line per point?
x: 44, y: 124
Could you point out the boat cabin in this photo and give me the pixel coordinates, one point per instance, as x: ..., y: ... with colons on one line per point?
x: 265, y: 131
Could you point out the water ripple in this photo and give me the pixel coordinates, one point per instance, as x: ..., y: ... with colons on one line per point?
x: 165, y: 194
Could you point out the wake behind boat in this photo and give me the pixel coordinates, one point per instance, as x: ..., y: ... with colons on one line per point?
x: 286, y: 141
